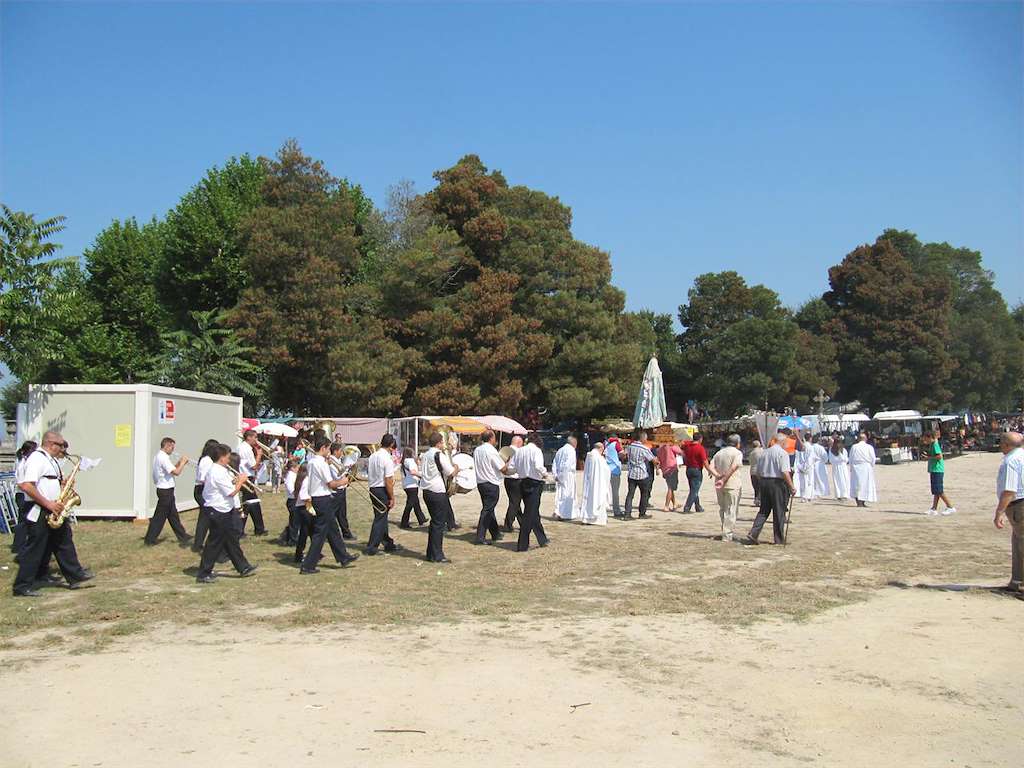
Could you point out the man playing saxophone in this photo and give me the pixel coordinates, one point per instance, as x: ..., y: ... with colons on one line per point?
x: 42, y: 484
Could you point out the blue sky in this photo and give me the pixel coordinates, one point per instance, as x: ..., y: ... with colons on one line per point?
x: 767, y: 138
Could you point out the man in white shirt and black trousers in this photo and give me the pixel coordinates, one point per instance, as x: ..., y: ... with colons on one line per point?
x: 380, y: 477
x: 164, y: 472
x: 529, y: 465
x: 220, y: 491
x: 776, y: 490
x: 249, y: 457
x: 514, y: 491
x: 340, y: 495
x: 489, y: 467
x: 325, y: 527
x: 42, y: 480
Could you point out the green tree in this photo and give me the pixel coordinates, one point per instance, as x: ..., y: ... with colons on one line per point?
x: 12, y: 392
x: 201, y: 262
x: 890, y: 328
x: 209, y: 359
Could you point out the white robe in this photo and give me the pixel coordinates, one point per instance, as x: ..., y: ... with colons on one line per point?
x: 862, y: 472
x: 597, y: 490
x: 563, y: 467
x: 803, y: 477
x: 840, y: 473
x: 821, y: 484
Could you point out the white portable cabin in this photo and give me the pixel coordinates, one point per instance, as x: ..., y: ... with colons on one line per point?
x: 123, y: 424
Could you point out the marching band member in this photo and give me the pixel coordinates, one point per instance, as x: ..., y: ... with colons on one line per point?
x: 411, y: 486
x: 529, y: 465
x: 42, y: 483
x: 203, y: 515
x: 303, y: 518
x: 380, y: 477
x: 435, y: 468
x: 220, y: 494
x: 489, y: 466
x: 20, y: 500
x: 290, y: 533
x: 164, y: 472
x: 321, y: 484
x: 250, y: 455
x: 514, y: 491
x: 340, y: 495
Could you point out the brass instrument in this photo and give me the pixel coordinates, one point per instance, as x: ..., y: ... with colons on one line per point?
x: 450, y: 486
x: 267, y: 450
x: 507, y: 453
x: 350, y: 471
x: 68, y: 496
x: 248, y: 485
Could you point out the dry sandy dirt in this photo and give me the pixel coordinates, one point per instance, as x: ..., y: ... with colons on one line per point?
x: 907, y: 677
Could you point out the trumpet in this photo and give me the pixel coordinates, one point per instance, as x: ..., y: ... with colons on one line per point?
x: 248, y: 485
x: 267, y: 450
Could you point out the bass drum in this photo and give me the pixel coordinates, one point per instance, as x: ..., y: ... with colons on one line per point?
x: 465, y: 481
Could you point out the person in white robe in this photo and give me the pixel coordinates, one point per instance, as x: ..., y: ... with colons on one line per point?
x: 839, y: 460
x: 597, y: 488
x: 821, y: 484
x: 563, y: 467
x: 804, y: 472
x: 862, y: 471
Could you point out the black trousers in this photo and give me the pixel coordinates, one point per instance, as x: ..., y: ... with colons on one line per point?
x: 379, y: 529
x: 645, y: 495
x: 166, y: 511
x: 341, y: 513
x: 412, y: 504
x: 223, y: 537
x: 202, y: 520
x: 303, y: 529
x: 41, y: 542
x: 290, y: 534
x: 774, y: 501
x: 514, y: 492
x: 532, y: 490
x: 325, y: 529
x: 488, y: 521
x: 755, y: 481
x: 251, y: 507
x: 439, y: 507
x: 21, y: 528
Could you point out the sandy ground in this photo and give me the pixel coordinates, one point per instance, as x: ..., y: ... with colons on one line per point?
x: 911, y: 677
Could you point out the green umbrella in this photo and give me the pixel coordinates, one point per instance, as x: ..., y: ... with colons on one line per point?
x: 650, y: 408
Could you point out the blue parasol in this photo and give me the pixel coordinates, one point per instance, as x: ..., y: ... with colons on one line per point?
x: 793, y: 422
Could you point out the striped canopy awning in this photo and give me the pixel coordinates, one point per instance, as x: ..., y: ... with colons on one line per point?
x: 463, y: 425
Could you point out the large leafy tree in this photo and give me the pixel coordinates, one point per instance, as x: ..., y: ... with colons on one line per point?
x: 890, y: 325
x: 987, y: 355
x: 304, y: 311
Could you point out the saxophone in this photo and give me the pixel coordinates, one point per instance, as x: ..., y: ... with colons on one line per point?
x: 68, y: 496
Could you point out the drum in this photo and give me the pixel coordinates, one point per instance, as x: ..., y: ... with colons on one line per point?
x: 465, y: 481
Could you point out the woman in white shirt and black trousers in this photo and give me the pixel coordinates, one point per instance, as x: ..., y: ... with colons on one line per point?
x: 325, y: 525
x: 435, y: 469
x: 411, y: 486
x: 164, y: 472
x: 203, y: 517
x: 21, y: 529
x: 220, y: 491
x: 380, y: 476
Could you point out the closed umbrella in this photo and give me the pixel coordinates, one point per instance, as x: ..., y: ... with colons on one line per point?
x: 650, y: 408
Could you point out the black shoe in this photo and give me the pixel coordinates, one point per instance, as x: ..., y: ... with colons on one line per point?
x: 479, y: 541
x: 80, y: 584
x: 406, y: 527
x: 347, y: 561
x: 644, y: 515
x: 443, y: 560
x: 186, y: 542
x: 499, y: 537
x: 370, y: 552
x: 248, y: 571
x: 348, y: 536
x: 543, y: 543
x: 393, y: 548
x: 205, y: 579
x: 27, y: 593
x: 308, y: 571
x: 50, y: 578
x: 260, y: 533
x: 298, y: 558
x: 149, y: 543
x: 455, y: 527
x: 750, y: 542
x: 508, y: 529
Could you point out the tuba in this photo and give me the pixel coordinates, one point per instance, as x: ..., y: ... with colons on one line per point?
x: 68, y: 495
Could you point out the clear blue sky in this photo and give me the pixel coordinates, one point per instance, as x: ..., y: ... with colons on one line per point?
x: 768, y: 138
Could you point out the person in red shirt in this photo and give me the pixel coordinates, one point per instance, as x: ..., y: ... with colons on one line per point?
x: 696, y: 460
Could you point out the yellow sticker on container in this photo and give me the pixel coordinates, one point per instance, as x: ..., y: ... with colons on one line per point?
x: 122, y: 435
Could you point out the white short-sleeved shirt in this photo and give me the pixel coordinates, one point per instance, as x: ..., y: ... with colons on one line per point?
x: 319, y: 476
x: 529, y: 462
x: 336, y: 473
x: 1011, y: 475
x: 487, y: 463
x: 218, y: 488
x: 513, y: 475
x: 246, y: 459
x: 304, y: 490
x: 289, y: 484
x: 19, y: 470
x: 430, y: 478
x: 202, y: 468
x: 43, y: 470
x: 726, y: 459
x: 409, y: 480
x: 379, y: 467
x: 774, y: 463
x: 163, y: 469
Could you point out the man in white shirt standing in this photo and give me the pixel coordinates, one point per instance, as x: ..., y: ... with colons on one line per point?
x: 726, y: 465
x: 1010, y: 503
x: 380, y: 476
x: 563, y: 467
x: 435, y: 469
x: 514, y: 491
x: 776, y: 490
x: 862, y: 471
x: 249, y: 457
x: 220, y: 494
x: 164, y: 472
x: 489, y: 467
x: 325, y: 528
x: 529, y: 465
x: 41, y: 483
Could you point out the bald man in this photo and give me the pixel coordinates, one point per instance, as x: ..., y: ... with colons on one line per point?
x: 42, y: 482
x: 1010, y: 503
